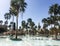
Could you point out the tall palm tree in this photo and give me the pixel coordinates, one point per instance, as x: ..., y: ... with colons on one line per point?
x: 45, y: 24
x: 23, y: 24
x: 17, y: 7
x: 7, y: 16
x: 29, y: 21
x: 54, y: 11
x: 11, y: 13
x: 26, y: 26
x: 31, y: 24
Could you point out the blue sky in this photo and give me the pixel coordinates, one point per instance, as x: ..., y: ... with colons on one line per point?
x: 36, y: 9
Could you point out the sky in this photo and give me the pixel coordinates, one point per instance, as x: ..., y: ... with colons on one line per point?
x: 36, y: 9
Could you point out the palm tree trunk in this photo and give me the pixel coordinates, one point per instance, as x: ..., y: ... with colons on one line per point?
x: 16, y: 25
x: 13, y: 21
x: 13, y: 18
x: 7, y: 24
x: 55, y: 33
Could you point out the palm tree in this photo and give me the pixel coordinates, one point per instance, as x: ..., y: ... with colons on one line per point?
x: 26, y: 26
x: 11, y: 13
x: 7, y: 16
x: 45, y: 23
x: 54, y: 11
x: 16, y: 7
x: 50, y: 21
x: 44, y: 20
x: 29, y: 21
x: 23, y: 24
x: 31, y: 24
